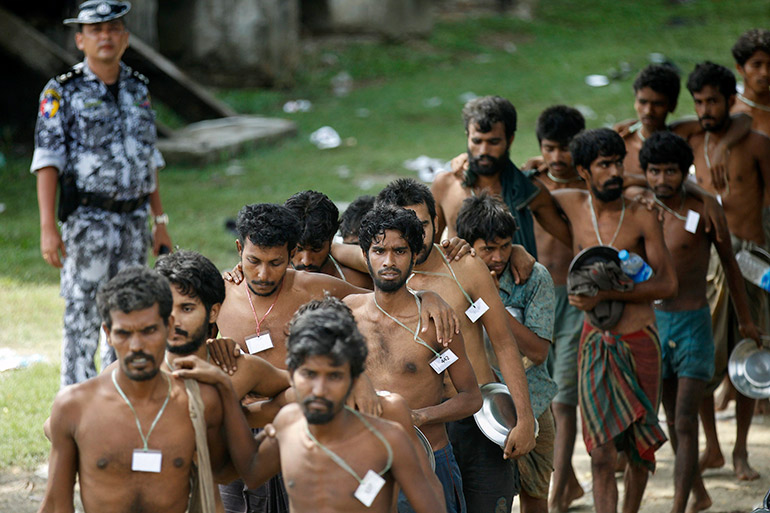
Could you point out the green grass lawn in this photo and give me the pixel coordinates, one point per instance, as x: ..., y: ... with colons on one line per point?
x: 535, y: 64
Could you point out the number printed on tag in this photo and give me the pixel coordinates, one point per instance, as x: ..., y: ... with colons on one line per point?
x: 443, y: 361
x: 259, y: 343
x: 476, y: 310
x: 369, y: 488
x: 146, y: 461
x: 691, y: 224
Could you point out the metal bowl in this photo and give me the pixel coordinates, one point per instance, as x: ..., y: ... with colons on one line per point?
x: 594, y: 254
x: 426, y: 445
x: 749, y: 369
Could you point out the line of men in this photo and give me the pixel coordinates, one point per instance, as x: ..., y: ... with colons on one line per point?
x: 365, y: 370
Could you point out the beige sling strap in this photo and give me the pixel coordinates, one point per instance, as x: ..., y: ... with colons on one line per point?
x: 202, y: 488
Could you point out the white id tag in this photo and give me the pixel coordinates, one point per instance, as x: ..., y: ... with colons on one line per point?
x: 476, y: 310
x: 691, y: 224
x: 719, y: 198
x: 259, y: 343
x: 146, y: 461
x: 443, y: 361
x: 369, y: 488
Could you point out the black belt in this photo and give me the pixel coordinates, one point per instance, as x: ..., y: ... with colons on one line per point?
x: 89, y: 199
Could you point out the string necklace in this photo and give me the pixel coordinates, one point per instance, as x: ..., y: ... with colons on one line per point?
x: 337, y: 267
x: 342, y: 463
x: 671, y: 211
x: 445, y: 275
x: 708, y: 162
x: 596, y: 222
x: 131, y: 406
x: 256, y: 319
x: 557, y: 179
x: 637, y: 128
x: 752, y: 103
x: 414, y: 332
x: 172, y: 367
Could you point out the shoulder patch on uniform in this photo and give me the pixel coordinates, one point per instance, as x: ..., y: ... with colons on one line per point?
x: 65, y: 77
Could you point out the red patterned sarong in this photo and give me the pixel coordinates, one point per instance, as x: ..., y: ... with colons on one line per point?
x: 619, y: 391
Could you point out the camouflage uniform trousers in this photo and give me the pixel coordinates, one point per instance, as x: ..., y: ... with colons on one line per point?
x: 98, y: 244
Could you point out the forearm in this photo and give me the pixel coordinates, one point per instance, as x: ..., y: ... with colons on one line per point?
x: 530, y: 345
x: 697, y: 191
x: 657, y: 287
x: 350, y: 255
x: 240, y: 442
x: 47, y: 180
x: 737, y: 288
x: 261, y: 413
x: 156, y: 206
x: 463, y: 405
x: 740, y: 126
x: 516, y: 380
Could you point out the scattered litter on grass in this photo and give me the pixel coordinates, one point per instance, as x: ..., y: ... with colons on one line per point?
x: 426, y: 167
x: 2, y: 160
x: 363, y: 113
x: 329, y: 59
x: 234, y: 168
x: 2, y: 208
x: 610, y: 120
x: 586, y: 111
x: 344, y: 171
x: 467, y: 96
x: 432, y: 102
x: 510, y: 47
x: 325, y: 138
x: 342, y: 84
x: 293, y: 106
x: 656, y: 58
x: 482, y: 58
x: 366, y: 184
x: 597, y: 80
x: 10, y: 359
x: 622, y: 71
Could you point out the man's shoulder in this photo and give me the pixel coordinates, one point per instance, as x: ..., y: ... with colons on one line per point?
x: 357, y: 301
x: 760, y: 142
x: 288, y: 415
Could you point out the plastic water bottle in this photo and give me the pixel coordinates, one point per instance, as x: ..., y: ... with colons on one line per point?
x: 634, y: 266
x: 754, y: 269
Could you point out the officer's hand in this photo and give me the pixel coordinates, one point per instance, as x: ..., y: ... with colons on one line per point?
x: 50, y: 245
x: 160, y: 238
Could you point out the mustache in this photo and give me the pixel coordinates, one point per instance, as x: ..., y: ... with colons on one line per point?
x: 389, y: 270
x: 263, y: 283
x: 136, y: 356
x: 313, y: 399
x: 616, y: 181
x: 180, y: 331
x: 309, y: 268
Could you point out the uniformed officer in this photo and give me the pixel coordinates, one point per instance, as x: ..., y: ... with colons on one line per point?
x: 95, y: 137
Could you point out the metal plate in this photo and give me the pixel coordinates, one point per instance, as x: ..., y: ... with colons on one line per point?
x: 749, y: 369
x: 497, y: 415
x: 426, y: 445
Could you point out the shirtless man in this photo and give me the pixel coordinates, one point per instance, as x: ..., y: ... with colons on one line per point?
x: 402, y: 361
x: 684, y: 321
x: 490, y: 480
x: 752, y: 60
x: 256, y: 311
x: 556, y: 127
x: 490, y: 126
x: 601, y: 216
x: 126, y: 434
x: 713, y: 91
x: 320, y: 218
x: 199, y: 291
x: 656, y: 93
x: 487, y: 224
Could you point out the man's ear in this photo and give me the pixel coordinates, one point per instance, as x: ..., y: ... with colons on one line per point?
x: 79, y: 40
x: 584, y: 173
x: 238, y: 246
x: 739, y: 69
x: 292, y: 253
x: 107, y: 333
x: 510, y: 140
x: 730, y: 103
x: 214, y: 312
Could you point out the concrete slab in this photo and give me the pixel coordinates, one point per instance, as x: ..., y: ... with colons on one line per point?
x: 220, y: 139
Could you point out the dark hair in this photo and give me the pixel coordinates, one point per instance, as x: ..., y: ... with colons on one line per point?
x: 195, y: 275
x: 325, y: 328
x: 268, y: 225
x: 351, y: 218
x: 132, y: 289
x: 485, y: 217
x: 663, y: 147
x: 488, y: 110
x: 319, y: 217
x: 661, y: 78
x: 390, y: 217
x: 751, y: 42
x: 405, y: 192
x: 560, y: 124
x: 590, y: 144
x: 709, y: 74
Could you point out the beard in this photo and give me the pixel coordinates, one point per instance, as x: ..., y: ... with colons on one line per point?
x: 608, y: 195
x: 142, y: 375
x: 715, y: 126
x: 194, y: 342
x: 318, y: 417
x: 424, y: 253
x: 491, y: 167
x: 273, y: 284
x: 389, y: 285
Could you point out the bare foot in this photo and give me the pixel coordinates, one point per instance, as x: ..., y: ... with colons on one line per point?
x: 698, y: 503
x: 726, y: 394
x: 711, y: 459
x: 743, y: 470
x: 561, y: 502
